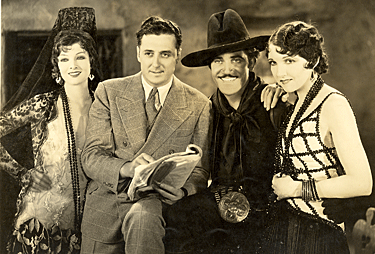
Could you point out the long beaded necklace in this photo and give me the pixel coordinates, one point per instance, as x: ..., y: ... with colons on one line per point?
x: 286, y: 166
x: 73, y: 161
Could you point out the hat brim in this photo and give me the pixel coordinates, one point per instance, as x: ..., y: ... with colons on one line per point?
x: 204, y: 57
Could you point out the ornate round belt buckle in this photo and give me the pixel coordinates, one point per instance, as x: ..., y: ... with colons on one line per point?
x: 234, y: 207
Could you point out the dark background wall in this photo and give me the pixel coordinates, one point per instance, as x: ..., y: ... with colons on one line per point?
x: 347, y: 26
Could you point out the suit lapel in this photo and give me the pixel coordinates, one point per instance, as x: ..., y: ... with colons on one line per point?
x: 173, y: 113
x: 131, y: 109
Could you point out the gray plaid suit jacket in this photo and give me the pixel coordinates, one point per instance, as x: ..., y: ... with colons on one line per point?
x: 116, y: 134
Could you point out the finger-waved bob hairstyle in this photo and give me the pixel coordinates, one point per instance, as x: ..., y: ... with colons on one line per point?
x: 67, y: 38
x: 304, y: 40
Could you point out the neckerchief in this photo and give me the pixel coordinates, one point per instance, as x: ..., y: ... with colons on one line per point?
x: 242, y: 128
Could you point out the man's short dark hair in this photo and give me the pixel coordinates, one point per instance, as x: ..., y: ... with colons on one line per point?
x: 156, y: 25
x: 252, y: 55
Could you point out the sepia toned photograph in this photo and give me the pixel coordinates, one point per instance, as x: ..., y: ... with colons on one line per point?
x: 187, y: 126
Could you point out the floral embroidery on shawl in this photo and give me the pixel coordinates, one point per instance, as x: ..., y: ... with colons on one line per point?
x: 37, y: 111
x: 33, y: 237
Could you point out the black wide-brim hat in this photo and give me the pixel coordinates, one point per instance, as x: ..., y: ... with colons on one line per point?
x: 226, y: 33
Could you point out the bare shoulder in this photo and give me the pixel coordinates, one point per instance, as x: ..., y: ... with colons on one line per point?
x: 334, y: 98
x: 336, y: 106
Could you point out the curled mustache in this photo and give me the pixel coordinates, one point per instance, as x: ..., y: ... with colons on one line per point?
x: 228, y: 76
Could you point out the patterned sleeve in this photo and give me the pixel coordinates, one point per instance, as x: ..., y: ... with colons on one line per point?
x: 28, y: 112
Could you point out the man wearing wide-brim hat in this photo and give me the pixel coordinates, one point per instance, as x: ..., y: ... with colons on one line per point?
x: 231, y: 213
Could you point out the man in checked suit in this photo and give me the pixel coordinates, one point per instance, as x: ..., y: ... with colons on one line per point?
x: 121, y: 135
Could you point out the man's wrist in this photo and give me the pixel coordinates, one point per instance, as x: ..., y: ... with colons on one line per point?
x: 125, y: 171
x: 186, y: 193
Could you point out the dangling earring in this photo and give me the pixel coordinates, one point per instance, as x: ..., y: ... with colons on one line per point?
x: 312, y: 76
x: 312, y: 73
x: 91, y: 77
x: 316, y: 64
x: 58, y: 79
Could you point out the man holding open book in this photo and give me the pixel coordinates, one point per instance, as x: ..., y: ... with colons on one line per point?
x: 135, y: 121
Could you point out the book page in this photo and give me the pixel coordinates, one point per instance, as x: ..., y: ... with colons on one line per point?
x: 173, y: 169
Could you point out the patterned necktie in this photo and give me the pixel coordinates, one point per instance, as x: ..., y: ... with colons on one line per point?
x: 152, y: 106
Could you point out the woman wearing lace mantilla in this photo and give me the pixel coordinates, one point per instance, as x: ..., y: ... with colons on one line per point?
x: 319, y: 151
x: 52, y: 105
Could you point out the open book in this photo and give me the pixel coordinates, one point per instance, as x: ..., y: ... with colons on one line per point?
x: 173, y: 169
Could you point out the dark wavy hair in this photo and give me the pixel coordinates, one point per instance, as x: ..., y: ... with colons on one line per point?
x: 304, y: 40
x: 69, y: 37
x: 157, y: 26
x: 252, y: 55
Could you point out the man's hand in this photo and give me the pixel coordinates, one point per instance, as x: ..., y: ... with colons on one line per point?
x: 170, y: 194
x: 127, y: 170
x: 40, y: 181
x: 270, y: 96
x: 271, y: 93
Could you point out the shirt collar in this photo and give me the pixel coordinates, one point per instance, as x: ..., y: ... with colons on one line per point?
x: 163, y: 90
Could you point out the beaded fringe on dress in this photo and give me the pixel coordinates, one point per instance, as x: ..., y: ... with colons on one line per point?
x: 294, y: 232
